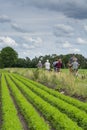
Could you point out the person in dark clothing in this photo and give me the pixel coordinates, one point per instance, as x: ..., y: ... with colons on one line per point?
x: 59, y: 65
x: 39, y: 65
x: 54, y: 65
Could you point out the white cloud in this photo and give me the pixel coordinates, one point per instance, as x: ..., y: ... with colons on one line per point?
x: 26, y: 46
x: 71, y: 48
x: 81, y: 41
x: 66, y: 28
x: 63, y: 30
x: 71, y: 8
x: 85, y: 27
x: 31, y: 43
x: 4, y: 19
x: 26, y: 35
x: 33, y: 40
x: 30, y: 53
x: 67, y: 45
x: 74, y: 50
x: 17, y: 28
x: 8, y: 41
x: 40, y: 38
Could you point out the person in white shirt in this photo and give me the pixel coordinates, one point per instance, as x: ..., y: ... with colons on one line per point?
x: 75, y: 66
x: 47, y: 65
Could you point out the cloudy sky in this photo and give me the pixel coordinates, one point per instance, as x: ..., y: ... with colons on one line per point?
x: 40, y: 27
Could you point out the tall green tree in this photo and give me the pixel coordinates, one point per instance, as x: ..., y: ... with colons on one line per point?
x: 8, y: 57
x: 1, y: 63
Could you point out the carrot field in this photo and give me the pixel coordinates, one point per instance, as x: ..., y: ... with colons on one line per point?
x: 65, y: 82
x: 28, y: 105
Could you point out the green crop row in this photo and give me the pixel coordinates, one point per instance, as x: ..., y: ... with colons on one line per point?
x: 10, y: 120
x: 58, y: 120
x: 74, y: 113
x: 70, y: 100
x: 33, y: 119
x: 0, y: 104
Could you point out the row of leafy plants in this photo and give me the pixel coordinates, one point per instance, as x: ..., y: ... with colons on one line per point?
x: 73, y: 112
x: 74, y: 86
x: 10, y: 120
x: 33, y: 119
x: 58, y: 120
x: 70, y: 100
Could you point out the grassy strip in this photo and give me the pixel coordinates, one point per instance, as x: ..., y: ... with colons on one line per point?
x: 10, y: 120
x: 74, y: 113
x: 33, y: 119
x: 0, y: 104
x: 59, y: 120
x: 70, y: 100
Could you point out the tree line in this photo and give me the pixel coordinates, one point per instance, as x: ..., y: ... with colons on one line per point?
x: 9, y: 58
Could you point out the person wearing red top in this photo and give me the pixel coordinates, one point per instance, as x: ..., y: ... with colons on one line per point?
x: 59, y: 65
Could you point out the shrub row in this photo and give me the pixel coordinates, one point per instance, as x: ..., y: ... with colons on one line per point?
x: 58, y: 120
x: 74, y: 113
x: 33, y: 119
x: 70, y: 100
x: 10, y: 120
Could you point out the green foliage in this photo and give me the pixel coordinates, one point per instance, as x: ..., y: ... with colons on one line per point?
x: 21, y: 62
x: 10, y: 120
x: 59, y: 120
x: 33, y: 119
x: 74, y: 113
x: 63, y: 81
x: 8, y: 56
x: 68, y: 99
x: 1, y: 63
x: 36, y: 73
x: 65, y: 59
x: 60, y: 111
